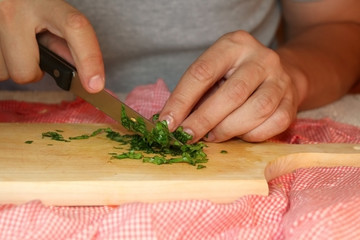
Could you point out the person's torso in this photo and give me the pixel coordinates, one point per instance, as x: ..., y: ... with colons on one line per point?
x: 145, y: 40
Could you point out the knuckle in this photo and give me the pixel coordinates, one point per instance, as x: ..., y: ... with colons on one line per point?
x: 239, y: 90
x: 238, y: 37
x: 201, y: 71
x: 270, y: 57
x: 224, y: 133
x: 265, y: 104
x: 93, y: 60
x: 259, y: 69
x: 283, y: 119
x: 203, y: 123
x: 23, y: 76
x: 76, y: 20
x: 179, y: 100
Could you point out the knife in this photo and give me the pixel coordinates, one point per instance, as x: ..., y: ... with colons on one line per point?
x: 67, y: 78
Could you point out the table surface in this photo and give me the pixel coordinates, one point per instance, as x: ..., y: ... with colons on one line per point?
x: 345, y: 110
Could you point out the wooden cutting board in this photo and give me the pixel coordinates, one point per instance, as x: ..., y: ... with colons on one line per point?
x: 82, y: 172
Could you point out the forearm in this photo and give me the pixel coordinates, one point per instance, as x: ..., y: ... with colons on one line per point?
x: 323, y: 61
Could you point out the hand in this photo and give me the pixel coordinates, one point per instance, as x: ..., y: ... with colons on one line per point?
x: 63, y: 29
x: 256, y: 101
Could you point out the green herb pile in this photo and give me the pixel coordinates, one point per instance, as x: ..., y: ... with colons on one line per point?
x: 157, y: 143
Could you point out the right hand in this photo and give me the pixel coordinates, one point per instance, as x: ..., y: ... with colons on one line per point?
x: 60, y: 27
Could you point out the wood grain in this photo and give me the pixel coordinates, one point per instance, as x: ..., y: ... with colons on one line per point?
x: 81, y: 172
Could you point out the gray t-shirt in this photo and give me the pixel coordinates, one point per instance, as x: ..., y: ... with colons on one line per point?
x: 145, y: 40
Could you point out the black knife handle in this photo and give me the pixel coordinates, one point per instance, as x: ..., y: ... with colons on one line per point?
x: 57, y: 67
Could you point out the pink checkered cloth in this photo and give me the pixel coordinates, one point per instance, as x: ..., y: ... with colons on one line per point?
x: 312, y: 203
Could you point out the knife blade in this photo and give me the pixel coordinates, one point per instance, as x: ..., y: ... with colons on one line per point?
x: 67, y: 78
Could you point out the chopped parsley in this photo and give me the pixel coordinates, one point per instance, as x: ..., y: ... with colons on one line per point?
x: 84, y: 136
x: 29, y: 142
x: 224, y: 151
x: 131, y: 154
x: 157, y: 142
x: 54, y: 136
x: 200, y: 166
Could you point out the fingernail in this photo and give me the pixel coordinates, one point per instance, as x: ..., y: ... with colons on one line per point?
x: 169, y: 120
x: 96, y: 83
x: 189, y: 131
x: 210, y: 137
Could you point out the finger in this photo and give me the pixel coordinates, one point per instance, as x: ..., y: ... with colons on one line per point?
x: 276, y: 124
x: 19, y: 50
x: 260, y: 106
x: 210, y: 67
x: 75, y: 28
x: 57, y: 45
x: 230, y: 96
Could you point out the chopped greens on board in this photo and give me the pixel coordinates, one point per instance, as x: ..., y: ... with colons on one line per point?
x: 149, y: 146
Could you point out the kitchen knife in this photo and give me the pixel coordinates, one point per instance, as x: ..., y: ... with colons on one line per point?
x: 67, y: 78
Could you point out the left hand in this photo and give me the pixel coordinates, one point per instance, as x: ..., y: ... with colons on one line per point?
x: 257, y: 100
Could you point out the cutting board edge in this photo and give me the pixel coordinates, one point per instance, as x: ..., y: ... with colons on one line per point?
x: 97, y: 193
x: 288, y: 163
